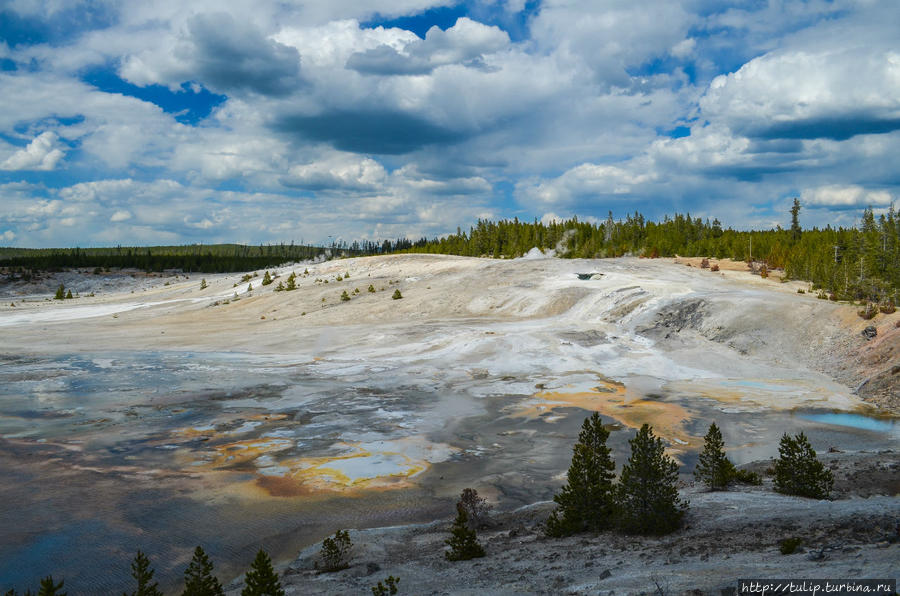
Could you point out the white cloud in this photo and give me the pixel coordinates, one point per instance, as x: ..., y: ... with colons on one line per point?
x: 845, y: 197
x: 120, y: 215
x: 41, y: 154
x: 342, y: 172
x: 8, y: 236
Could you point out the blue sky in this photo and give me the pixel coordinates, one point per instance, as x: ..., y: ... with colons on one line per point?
x: 266, y: 121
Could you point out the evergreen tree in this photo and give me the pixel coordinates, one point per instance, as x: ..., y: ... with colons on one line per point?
x: 463, y: 541
x: 388, y: 588
x: 267, y: 279
x: 397, y: 295
x: 203, y: 284
x: 587, y: 501
x: 648, y: 501
x: 60, y: 293
x: 198, y: 577
x: 291, y: 282
x: 796, y: 231
x: 143, y: 575
x: 713, y: 467
x: 798, y: 471
x: 48, y: 588
x: 335, y: 552
x: 345, y: 296
x: 261, y: 580
x: 69, y: 295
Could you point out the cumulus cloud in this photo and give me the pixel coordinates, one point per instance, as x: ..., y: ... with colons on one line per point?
x: 120, y: 215
x: 806, y: 93
x: 586, y: 180
x: 464, y: 43
x: 845, y: 197
x: 41, y: 154
x: 8, y: 236
x: 222, y: 53
x: 340, y: 174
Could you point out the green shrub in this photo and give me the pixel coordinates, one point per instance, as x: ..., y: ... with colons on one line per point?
x: 335, y: 553
x: 60, y: 293
x: 371, y: 288
x: 747, y: 477
x: 345, y: 297
x: 389, y: 587
x: 789, y: 546
x: 397, y: 295
x: 203, y: 284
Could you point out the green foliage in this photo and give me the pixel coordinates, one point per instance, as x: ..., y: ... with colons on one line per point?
x: 143, y: 576
x: 291, y: 282
x: 198, y: 577
x: 262, y: 580
x: 798, y: 471
x: 747, y: 477
x: 335, y: 552
x: 279, y: 287
x: 371, y: 288
x: 69, y: 295
x: 796, y: 231
x: 587, y: 501
x: 713, y: 467
x: 345, y: 297
x: 49, y: 588
x: 648, y: 501
x: 397, y: 295
x: 267, y: 279
x: 789, y: 546
x: 463, y: 541
x: 389, y: 587
x: 60, y: 293
x: 203, y: 284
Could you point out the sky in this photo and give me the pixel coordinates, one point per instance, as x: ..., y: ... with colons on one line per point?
x: 254, y: 121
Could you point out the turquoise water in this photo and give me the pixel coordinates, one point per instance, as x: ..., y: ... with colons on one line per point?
x: 853, y: 420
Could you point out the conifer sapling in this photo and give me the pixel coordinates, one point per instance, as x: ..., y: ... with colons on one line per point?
x: 713, y: 467
x: 262, y: 580
x: 198, y: 577
x: 463, y: 541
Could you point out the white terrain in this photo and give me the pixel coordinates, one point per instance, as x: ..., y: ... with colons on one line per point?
x: 157, y: 413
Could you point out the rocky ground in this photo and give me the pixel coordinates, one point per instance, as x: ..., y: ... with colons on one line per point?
x: 726, y: 536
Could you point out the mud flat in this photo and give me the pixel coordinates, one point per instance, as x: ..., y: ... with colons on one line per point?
x: 237, y: 418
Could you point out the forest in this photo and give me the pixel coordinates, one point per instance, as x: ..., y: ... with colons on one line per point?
x: 853, y: 263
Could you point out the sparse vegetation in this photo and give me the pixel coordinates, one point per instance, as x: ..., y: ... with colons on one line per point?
x: 345, y: 297
x: 389, y: 587
x: 203, y: 284
x: 798, y: 471
x: 371, y: 288
x: 267, y: 279
x: 397, y: 295
x: 60, y: 293
x: 335, y: 553
x: 291, y: 282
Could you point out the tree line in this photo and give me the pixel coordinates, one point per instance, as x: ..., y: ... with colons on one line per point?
x: 853, y: 263
x: 849, y: 263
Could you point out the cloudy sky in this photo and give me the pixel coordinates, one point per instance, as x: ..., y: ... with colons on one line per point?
x: 165, y: 121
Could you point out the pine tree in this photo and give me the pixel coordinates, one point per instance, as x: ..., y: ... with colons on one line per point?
x: 198, y: 577
x: 261, y: 580
x: 345, y: 296
x: 335, y: 552
x: 60, y: 293
x: 648, y: 501
x: 798, y: 471
x: 143, y: 575
x: 796, y: 231
x: 587, y: 501
x: 397, y: 295
x: 463, y: 541
x: 69, y: 295
x: 291, y: 282
x: 713, y: 467
x: 388, y: 588
x: 267, y: 279
x: 203, y: 284
x: 48, y: 588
